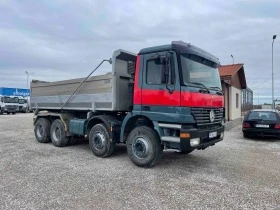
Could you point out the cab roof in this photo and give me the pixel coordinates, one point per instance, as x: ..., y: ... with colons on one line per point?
x: 181, y: 47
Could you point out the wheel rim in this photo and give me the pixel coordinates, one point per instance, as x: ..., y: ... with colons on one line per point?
x: 140, y: 148
x: 56, y: 134
x: 40, y: 131
x: 98, y: 140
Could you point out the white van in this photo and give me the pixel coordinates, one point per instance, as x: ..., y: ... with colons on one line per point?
x: 9, y: 104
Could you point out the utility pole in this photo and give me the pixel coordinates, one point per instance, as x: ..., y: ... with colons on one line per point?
x: 27, y: 80
x: 232, y: 59
x: 273, y: 38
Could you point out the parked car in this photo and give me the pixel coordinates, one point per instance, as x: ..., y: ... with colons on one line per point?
x: 261, y: 122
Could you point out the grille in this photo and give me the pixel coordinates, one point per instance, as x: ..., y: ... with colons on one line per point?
x: 11, y: 106
x: 202, y: 115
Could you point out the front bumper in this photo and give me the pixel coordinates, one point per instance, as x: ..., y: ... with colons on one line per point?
x: 188, y: 134
x: 205, y: 141
x: 11, y: 110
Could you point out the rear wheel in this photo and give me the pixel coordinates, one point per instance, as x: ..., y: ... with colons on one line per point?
x: 144, y: 147
x: 99, y: 141
x: 42, y: 130
x: 58, y: 135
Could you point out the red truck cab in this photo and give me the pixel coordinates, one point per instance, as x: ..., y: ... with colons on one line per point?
x: 177, y: 92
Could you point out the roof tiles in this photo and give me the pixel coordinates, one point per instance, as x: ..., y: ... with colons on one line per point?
x: 229, y: 70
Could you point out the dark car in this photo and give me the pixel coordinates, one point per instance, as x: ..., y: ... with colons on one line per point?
x: 261, y: 122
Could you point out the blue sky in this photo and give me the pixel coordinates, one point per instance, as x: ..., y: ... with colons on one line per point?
x: 66, y: 39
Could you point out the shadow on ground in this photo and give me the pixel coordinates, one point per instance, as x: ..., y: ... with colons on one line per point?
x: 263, y: 138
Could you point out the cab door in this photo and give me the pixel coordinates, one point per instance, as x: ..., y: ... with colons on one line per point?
x: 160, y: 96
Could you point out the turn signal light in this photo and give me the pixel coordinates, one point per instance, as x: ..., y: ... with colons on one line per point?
x: 185, y: 135
x: 246, y: 125
x: 277, y: 126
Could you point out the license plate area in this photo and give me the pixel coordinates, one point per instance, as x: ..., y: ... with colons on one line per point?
x: 261, y: 126
x: 212, y: 135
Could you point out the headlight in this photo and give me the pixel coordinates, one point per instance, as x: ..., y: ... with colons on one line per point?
x: 194, y: 142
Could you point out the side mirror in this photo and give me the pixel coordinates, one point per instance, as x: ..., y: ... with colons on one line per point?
x: 167, y: 69
x: 171, y: 68
x: 164, y: 60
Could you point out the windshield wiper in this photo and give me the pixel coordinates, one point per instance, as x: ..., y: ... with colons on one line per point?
x: 215, y: 88
x: 204, y: 87
x: 220, y: 92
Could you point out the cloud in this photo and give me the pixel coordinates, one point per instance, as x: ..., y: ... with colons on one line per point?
x: 66, y: 39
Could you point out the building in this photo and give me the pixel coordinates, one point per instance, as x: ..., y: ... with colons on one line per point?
x: 233, y: 82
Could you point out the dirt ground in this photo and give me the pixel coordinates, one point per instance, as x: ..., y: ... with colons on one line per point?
x: 236, y: 173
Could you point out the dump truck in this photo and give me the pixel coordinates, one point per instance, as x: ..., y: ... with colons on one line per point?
x: 164, y: 97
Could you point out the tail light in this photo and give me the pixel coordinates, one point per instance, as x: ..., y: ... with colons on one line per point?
x: 277, y: 126
x: 246, y: 125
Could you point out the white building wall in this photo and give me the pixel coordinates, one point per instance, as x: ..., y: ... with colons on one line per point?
x: 226, y: 101
x: 235, y: 112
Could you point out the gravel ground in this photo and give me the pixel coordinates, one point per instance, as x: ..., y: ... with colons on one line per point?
x: 237, y: 173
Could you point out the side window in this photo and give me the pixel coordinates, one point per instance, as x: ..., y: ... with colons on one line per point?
x: 153, y: 72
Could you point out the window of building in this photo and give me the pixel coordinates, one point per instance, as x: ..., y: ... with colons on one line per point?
x: 237, y: 100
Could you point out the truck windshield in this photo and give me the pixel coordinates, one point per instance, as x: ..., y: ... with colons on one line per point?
x: 22, y: 101
x: 10, y: 100
x: 198, y: 70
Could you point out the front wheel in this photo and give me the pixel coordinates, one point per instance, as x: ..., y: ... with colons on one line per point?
x: 99, y: 141
x: 58, y: 135
x: 144, y: 147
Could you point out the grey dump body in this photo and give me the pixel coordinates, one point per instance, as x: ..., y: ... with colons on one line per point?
x: 107, y: 92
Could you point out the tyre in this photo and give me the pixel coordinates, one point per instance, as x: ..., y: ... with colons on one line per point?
x: 144, y: 147
x: 42, y: 130
x: 13, y: 113
x: 99, y: 141
x: 58, y: 135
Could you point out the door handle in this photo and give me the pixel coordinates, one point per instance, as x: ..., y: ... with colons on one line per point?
x: 146, y: 108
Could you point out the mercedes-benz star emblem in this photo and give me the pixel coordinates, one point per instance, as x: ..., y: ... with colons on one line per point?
x: 212, y: 116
